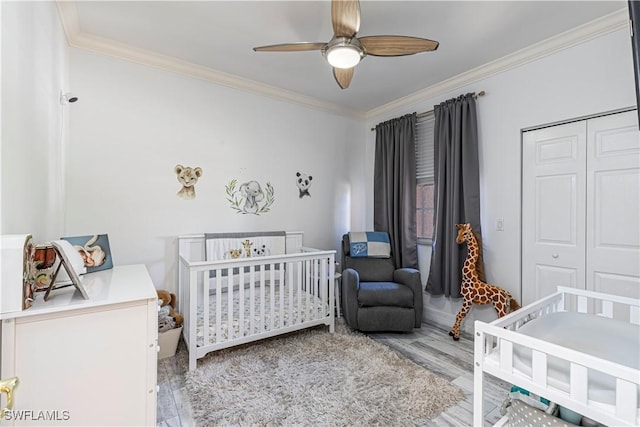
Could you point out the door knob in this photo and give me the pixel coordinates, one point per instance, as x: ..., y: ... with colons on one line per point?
x: 7, y: 386
x: 555, y: 256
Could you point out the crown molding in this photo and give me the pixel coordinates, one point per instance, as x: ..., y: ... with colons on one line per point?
x: 68, y: 14
x: 174, y: 65
x: 79, y: 39
x: 562, y: 41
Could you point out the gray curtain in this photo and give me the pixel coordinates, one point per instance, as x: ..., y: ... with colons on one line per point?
x: 457, y: 191
x: 394, y: 187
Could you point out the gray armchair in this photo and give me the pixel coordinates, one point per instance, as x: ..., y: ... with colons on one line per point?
x: 378, y: 297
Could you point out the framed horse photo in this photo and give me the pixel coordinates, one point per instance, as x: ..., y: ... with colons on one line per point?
x: 94, y: 250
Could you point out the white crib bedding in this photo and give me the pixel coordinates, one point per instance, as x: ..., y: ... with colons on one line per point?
x: 294, y: 311
x: 602, y: 337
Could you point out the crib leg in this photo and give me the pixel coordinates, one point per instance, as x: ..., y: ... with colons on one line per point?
x: 193, y: 361
x: 478, y: 379
x: 478, y: 410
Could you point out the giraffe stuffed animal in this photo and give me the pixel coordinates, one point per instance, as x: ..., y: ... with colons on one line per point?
x: 247, y: 247
x: 475, y: 290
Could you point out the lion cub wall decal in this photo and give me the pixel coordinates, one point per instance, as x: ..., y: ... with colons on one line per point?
x: 188, y: 177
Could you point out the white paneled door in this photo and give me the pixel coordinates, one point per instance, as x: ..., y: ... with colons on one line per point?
x: 613, y: 216
x: 552, y: 209
x: 581, y: 207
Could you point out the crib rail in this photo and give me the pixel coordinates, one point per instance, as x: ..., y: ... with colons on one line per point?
x: 577, y: 300
x: 253, y: 298
x: 494, y: 354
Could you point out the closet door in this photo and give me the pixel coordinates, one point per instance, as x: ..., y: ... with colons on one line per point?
x: 553, y: 200
x: 613, y: 205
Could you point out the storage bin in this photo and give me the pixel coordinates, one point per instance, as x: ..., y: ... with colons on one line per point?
x: 168, y: 342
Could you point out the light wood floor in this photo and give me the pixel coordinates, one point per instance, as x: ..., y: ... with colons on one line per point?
x: 429, y: 346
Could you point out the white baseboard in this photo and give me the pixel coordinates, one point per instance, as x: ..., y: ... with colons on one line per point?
x: 443, y: 313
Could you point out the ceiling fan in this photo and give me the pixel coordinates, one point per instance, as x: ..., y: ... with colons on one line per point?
x: 344, y: 51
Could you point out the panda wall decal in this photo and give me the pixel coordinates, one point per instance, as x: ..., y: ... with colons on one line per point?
x: 303, y: 182
x: 188, y: 177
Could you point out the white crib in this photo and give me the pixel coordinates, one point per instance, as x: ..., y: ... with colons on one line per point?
x: 541, y: 348
x: 230, y: 302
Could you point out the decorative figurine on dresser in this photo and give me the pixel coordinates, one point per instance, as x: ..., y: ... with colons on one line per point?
x: 16, y: 293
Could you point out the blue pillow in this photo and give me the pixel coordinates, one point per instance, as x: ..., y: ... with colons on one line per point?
x: 372, y: 244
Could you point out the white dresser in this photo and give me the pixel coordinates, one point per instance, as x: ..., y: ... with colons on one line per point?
x: 85, y: 362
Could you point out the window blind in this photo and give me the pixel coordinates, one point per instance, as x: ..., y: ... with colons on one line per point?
x: 424, y: 148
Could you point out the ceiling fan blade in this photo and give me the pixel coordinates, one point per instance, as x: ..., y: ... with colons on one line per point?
x: 396, y: 45
x: 290, y: 47
x: 345, y: 16
x: 343, y: 76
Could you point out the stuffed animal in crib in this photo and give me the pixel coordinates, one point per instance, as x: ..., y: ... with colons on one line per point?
x: 247, y: 247
x: 474, y: 290
x: 261, y: 251
x: 167, y: 311
x: 235, y: 253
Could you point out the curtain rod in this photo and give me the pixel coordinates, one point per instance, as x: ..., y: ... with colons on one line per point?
x: 424, y: 113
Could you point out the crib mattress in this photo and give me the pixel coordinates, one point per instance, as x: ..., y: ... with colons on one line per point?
x: 292, y: 312
x: 602, y: 337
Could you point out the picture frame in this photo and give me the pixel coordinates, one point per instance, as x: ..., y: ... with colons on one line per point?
x: 94, y: 249
x: 65, y: 252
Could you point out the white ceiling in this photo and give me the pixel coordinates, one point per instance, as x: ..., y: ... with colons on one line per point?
x: 218, y: 37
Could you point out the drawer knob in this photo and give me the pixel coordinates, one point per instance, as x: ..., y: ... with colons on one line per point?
x: 7, y: 386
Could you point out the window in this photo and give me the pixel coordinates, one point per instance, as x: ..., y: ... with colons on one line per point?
x: 424, y: 177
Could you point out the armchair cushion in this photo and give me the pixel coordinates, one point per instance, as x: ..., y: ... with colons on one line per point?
x: 369, y: 269
x: 372, y: 269
x: 373, y: 294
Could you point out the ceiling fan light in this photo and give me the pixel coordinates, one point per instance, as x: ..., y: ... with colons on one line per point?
x: 343, y: 56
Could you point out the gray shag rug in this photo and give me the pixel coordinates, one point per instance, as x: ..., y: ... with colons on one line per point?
x: 313, y: 377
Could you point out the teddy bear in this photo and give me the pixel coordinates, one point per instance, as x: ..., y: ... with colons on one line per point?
x: 168, y: 318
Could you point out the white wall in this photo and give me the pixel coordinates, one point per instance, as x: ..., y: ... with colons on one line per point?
x: 34, y: 70
x: 133, y: 124
x: 593, y: 77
